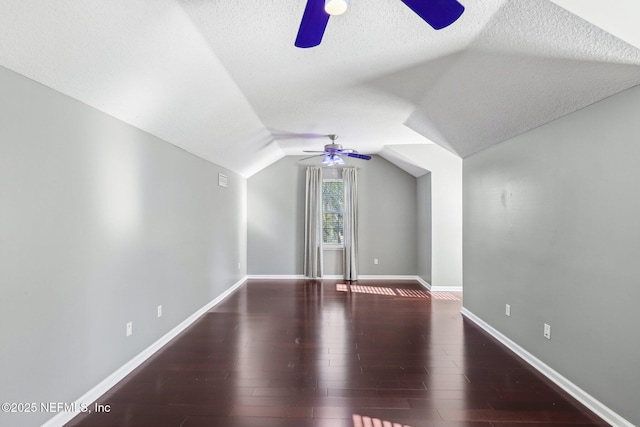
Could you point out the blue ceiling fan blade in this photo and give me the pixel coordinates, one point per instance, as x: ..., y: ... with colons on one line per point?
x: 437, y: 13
x: 358, y: 156
x: 314, y: 21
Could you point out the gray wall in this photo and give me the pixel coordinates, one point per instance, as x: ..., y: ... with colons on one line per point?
x: 387, y: 227
x: 424, y: 227
x: 99, y: 224
x: 551, y: 227
x: 445, y: 209
x: 274, y: 220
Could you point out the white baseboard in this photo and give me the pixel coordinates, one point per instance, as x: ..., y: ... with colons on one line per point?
x: 328, y: 276
x: 94, y: 394
x: 333, y: 277
x: 361, y: 277
x: 373, y: 277
x: 423, y: 282
x: 446, y: 288
x: 432, y: 288
x: 576, y: 392
x: 386, y: 277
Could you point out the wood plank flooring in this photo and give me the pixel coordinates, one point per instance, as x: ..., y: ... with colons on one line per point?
x: 309, y: 354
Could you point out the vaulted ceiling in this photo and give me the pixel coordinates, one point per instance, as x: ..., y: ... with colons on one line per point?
x: 223, y: 80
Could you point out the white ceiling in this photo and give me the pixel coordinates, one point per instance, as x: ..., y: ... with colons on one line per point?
x: 223, y: 80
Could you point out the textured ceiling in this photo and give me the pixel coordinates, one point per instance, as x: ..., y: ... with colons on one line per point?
x: 223, y: 80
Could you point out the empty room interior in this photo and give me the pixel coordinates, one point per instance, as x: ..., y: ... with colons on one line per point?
x: 406, y: 213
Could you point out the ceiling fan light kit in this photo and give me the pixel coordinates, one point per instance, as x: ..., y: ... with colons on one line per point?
x: 437, y: 13
x: 332, y: 160
x: 336, y: 7
x: 332, y: 154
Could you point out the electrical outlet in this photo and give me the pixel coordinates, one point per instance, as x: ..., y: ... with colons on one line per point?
x: 129, y: 328
x: 547, y: 331
x: 159, y: 311
x: 507, y: 310
x: 375, y: 261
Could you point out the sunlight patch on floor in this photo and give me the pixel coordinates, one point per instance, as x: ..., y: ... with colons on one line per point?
x: 363, y: 421
x: 445, y: 296
x: 403, y: 292
x: 412, y: 293
x: 377, y: 290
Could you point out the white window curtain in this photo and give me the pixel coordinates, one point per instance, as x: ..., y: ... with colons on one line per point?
x: 350, y: 215
x: 313, y: 223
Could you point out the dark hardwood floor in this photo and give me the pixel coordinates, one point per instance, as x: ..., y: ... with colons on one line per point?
x: 309, y: 354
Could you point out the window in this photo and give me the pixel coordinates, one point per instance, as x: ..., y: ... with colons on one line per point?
x: 332, y: 205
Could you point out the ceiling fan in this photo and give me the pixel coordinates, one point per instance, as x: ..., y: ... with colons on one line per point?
x: 332, y: 154
x: 437, y: 13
